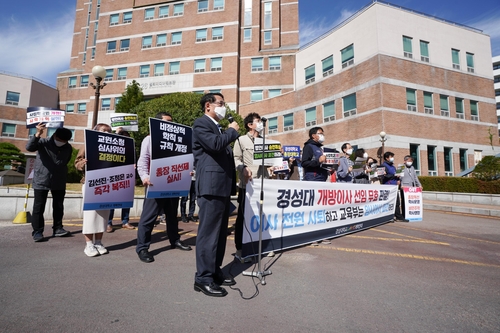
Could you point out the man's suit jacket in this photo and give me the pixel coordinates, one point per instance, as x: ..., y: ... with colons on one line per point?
x: 213, y: 158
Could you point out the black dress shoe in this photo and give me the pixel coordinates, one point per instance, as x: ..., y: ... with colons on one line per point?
x: 211, y: 289
x: 145, y: 256
x: 184, y: 219
x: 225, y: 281
x: 181, y: 246
x: 193, y: 218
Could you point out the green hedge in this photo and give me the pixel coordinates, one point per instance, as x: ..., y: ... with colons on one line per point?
x: 460, y: 185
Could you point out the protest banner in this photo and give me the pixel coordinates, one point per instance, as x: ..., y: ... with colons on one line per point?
x: 30, y: 170
x: 52, y: 118
x: 127, y: 121
x: 413, y: 203
x: 291, y: 151
x: 297, y: 213
x: 110, y: 171
x: 272, y: 152
x: 332, y: 157
x: 171, y: 159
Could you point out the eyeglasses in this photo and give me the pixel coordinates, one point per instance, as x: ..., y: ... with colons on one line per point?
x: 220, y: 103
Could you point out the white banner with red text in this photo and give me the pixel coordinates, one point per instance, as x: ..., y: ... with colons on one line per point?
x: 413, y: 204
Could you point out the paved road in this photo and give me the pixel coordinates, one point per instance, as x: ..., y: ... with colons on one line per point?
x: 440, y: 275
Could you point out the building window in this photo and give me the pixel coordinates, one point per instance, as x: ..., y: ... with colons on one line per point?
x: 274, y: 92
x: 428, y: 104
x: 327, y: 66
x: 70, y: 108
x: 448, y: 162
x: 463, y: 159
x: 176, y: 38
x: 12, y: 98
x: 114, y: 19
x: 122, y: 73
x: 257, y: 64
x: 202, y: 6
x: 470, y: 62
x: 127, y: 17
x: 82, y: 107
x: 459, y: 107
x: 124, y: 45
x: 349, y: 102
x: 268, y: 37
x: 159, y: 69
x: 174, y: 68
x: 247, y: 16
x: 415, y: 154
x: 474, y: 115
x: 111, y: 47
x: 147, y: 42
x: 218, y: 4
x: 217, y: 33
x: 455, y: 58
x: 273, y: 125
x: 109, y: 75
x: 347, y: 56
x: 431, y: 160
x: 72, y: 82
x: 411, y: 100
x: 84, y: 81
x: 255, y: 95
x: 179, y: 9
x: 247, y: 35
x: 163, y: 12
x: 407, y: 47
x: 443, y: 103
x: 199, y: 65
x: 288, y: 122
x: 161, y: 40
x: 311, y: 117
x: 92, y: 56
x: 424, y: 51
x: 268, y: 15
x: 274, y: 63
x: 216, y: 64
x: 144, y: 71
x: 8, y: 130
x: 310, y: 73
x: 329, y: 111
x: 201, y: 35
x: 105, y: 104
x: 149, y: 14
x: 31, y: 132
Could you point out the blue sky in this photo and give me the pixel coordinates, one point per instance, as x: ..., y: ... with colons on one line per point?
x: 35, y: 36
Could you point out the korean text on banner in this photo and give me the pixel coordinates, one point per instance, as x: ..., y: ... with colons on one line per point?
x: 52, y: 118
x: 413, y: 203
x: 127, y: 121
x: 272, y: 152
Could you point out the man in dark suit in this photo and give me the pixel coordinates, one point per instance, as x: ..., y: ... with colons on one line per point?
x: 214, y: 163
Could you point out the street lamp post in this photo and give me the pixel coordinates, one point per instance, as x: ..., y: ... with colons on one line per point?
x: 383, y: 139
x: 99, y: 73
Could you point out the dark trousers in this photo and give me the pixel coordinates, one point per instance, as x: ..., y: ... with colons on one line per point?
x: 125, y: 216
x: 212, y: 236
x: 240, y: 220
x: 150, y: 211
x: 192, y: 201
x: 398, y: 214
x: 40, y: 199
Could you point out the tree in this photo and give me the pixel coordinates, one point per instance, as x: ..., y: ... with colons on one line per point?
x: 74, y: 176
x: 488, y: 168
x: 132, y: 97
x: 184, y: 108
x: 10, y: 154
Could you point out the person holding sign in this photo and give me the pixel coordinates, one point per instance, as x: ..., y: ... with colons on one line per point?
x: 346, y: 165
x: 408, y: 179
x: 243, y: 159
x: 313, y: 156
x: 152, y: 206
x: 391, y: 178
x: 50, y: 172
x: 214, y: 163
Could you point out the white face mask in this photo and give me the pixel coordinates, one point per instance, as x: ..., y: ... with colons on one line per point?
x: 349, y: 151
x: 59, y: 143
x: 391, y: 159
x: 259, y: 127
x: 365, y: 155
x: 321, y: 138
x: 220, y: 112
x: 408, y: 164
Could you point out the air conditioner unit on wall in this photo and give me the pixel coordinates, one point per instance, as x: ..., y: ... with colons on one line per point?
x: 460, y: 115
x: 424, y: 58
x: 411, y: 107
x: 445, y: 113
x: 408, y: 55
x: 429, y: 110
x: 456, y: 66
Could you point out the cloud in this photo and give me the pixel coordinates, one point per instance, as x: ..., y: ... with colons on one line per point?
x: 313, y: 27
x: 490, y: 25
x: 40, y: 49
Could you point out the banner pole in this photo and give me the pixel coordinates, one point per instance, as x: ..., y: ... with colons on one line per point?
x: 261, y: 274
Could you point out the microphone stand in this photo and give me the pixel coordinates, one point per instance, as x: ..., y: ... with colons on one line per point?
x: 261, y: 274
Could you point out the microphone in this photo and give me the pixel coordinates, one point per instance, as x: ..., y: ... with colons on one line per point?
x: 263, y: 119
x: 230, y: 118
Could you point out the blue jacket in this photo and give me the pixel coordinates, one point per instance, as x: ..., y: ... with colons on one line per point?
x: 310, y: 161
x: 390, y: 177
